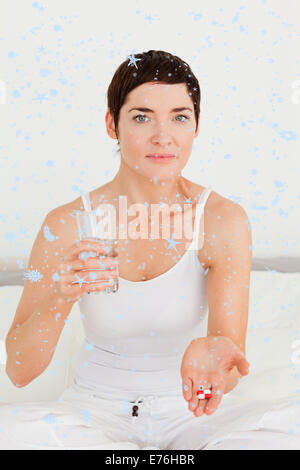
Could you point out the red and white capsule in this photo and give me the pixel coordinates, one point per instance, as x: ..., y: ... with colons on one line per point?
x: 204, y: 394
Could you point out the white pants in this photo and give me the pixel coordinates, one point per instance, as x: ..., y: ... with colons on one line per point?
x: 84, y: 422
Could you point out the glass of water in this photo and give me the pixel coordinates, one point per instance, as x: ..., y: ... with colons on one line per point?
x: 90, y: 227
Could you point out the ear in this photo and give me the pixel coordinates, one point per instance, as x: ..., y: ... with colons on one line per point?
x: 110, y: 125
x: 197, y: 131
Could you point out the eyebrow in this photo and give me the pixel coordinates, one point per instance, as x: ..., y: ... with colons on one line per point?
x: 148, y: 110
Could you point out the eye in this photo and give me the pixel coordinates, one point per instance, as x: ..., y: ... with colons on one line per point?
x: 139, y: 115
x: 186, y: 118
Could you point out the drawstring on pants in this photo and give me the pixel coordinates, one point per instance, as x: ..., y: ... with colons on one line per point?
x: 146, y: 400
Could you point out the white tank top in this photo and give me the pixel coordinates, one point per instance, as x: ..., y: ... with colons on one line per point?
x: 135, y: 338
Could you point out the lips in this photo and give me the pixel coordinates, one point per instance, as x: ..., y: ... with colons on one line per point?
x: 161, y: 155
x: 163, y: 158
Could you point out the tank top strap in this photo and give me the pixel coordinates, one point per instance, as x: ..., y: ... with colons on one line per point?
x: 199, y: 210
x: 86, y: 201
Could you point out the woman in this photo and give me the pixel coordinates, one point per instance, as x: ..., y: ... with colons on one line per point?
x: 152, y: 345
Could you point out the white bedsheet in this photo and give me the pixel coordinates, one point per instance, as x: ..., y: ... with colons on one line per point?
x: 262, y: 412
x: 86, y: 423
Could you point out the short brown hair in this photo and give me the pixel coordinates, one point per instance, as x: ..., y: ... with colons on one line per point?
x: 153, y: 65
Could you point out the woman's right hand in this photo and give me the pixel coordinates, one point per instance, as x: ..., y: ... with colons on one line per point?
x: 74, y: 267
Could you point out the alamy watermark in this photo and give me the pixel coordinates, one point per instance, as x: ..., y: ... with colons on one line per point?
x: 103, y: 221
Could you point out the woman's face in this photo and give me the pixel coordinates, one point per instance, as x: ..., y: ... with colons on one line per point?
x: 161, y: 130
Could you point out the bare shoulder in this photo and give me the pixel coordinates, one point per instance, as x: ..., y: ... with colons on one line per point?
x: 220, y: 212
x: 224, y: 211
x: 213, y: 203
x: 225, y: 223
x: 58, y: 229
x: 228, y: 232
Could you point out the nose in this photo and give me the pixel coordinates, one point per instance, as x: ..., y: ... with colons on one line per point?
x: 162, y: 138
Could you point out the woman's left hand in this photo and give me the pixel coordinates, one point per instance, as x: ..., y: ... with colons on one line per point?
x: 207, y: 362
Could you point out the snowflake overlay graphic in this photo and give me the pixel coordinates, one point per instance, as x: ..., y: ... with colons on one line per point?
x: 33, y: 275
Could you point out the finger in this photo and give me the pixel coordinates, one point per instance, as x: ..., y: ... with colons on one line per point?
x: 96, y: 287
x: 187, y: 388
x: 93, y: 263
x: 201, y: 406
x: 85, y: 245
x: 77, y: 245
x: 100, y: 285
x: 100, y: 276
x: 74, y: 291
x: 201, y: 402
x: 217, y: 392
x: 243, y: 366
x: 194, y: 402
x: 90, y: 277
x: 194, y: 399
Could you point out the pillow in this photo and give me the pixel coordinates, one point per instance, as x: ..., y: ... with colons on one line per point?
x: 274, y: 300
x: 52, y: 382
x: 12, y: 278
x: 273, y: 336
x: 284, y: 264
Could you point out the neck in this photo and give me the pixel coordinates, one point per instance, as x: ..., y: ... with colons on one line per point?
x: 141, y: 189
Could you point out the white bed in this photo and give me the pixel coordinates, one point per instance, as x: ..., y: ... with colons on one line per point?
x: 272, y: 348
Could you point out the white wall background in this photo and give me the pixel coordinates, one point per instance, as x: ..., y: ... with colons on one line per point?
x: 57, y: 59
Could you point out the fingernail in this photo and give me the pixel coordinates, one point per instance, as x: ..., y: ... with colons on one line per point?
x: 210, y: 409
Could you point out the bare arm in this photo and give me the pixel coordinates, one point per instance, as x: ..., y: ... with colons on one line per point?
x: 229, y: 281
x: 44, y: 306
x: 209, y: 360
x: 34, y: 333
x: 31, y: 345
